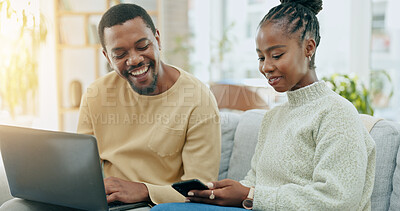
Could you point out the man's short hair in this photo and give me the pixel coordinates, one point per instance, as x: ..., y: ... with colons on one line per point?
x: 121, y: 13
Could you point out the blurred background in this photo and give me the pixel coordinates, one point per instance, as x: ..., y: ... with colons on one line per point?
x: 50, y: 52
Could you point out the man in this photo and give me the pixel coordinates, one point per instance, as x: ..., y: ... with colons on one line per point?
x: 155, y: 123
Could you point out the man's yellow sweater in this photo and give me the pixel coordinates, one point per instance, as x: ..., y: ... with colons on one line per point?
x: 157, y: 140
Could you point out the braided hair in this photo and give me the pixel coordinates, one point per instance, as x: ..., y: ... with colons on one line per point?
x: 297, y: 16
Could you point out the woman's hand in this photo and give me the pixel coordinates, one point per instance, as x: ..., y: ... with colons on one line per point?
x: 226, y: 192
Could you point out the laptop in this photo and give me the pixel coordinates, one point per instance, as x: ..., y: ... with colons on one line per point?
x: 55, y: 167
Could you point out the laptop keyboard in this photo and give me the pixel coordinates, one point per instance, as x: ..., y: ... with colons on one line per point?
x: 115, y: 204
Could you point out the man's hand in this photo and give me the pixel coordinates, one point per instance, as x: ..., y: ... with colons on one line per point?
x: 226, y: 192
x: 125, y: 191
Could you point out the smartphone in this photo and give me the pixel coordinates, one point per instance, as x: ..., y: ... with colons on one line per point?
x: 184, y: 187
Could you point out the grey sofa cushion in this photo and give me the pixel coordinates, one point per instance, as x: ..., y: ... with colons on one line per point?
x: 386, y: 135
x: 246, y: 136
x: 229, y: 122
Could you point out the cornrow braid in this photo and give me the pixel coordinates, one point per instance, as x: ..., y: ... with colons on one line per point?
x: 297, y: 16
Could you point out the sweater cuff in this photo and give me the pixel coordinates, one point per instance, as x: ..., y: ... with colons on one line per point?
x: 163, y: 194
x: 265, y: 198
x: 246, y: 183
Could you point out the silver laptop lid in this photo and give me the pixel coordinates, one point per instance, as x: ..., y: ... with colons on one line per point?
x: 53, y: 167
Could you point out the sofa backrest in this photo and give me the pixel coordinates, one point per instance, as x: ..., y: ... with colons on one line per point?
x: 229, y: 123
x: 245, y: 141
x: 386, y: 193
x: 386, y: 134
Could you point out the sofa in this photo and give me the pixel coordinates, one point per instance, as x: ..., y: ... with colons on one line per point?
x: 239, y: 136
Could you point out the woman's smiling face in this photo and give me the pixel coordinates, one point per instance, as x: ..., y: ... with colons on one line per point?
x: 282, y: 60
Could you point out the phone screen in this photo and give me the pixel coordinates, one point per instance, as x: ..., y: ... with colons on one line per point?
x: 184, y: 187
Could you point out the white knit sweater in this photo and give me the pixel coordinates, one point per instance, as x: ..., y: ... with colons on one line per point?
x: 313, y: 153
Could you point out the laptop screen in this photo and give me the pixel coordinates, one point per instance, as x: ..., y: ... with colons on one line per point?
x: 53, y: 167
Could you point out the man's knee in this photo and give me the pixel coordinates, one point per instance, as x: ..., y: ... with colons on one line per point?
x: 15, y: 204
x: 26, y: 205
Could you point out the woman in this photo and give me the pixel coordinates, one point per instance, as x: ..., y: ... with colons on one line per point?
x: 313, y: 152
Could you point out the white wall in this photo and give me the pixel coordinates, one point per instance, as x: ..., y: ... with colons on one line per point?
x: 200, y: 25
x: 47, y: 116
x: 345, y: 35
x: 333, y: 53
x: 360, y: 39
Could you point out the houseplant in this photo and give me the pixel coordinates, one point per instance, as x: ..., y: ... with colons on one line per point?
x: 351, y: 88
x: 22, y: 30
x: 381, y: 87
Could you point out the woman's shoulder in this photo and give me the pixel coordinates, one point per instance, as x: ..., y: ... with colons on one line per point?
x: 334, y: 101
x: 337, y: 110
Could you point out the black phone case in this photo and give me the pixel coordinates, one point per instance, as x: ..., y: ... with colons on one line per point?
x: 184, y: 187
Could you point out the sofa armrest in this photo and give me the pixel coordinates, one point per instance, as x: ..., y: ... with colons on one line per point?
x: 395, y: 197
x: 4, y: 190
x: 386, y: 135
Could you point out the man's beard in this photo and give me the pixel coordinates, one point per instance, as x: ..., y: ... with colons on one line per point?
x: 145, y: 90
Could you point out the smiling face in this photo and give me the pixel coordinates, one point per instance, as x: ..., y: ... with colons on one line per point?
x: 282, y: 60
x: 133, y: 51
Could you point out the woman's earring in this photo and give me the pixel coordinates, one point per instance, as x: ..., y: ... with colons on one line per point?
x: 309, y: 58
